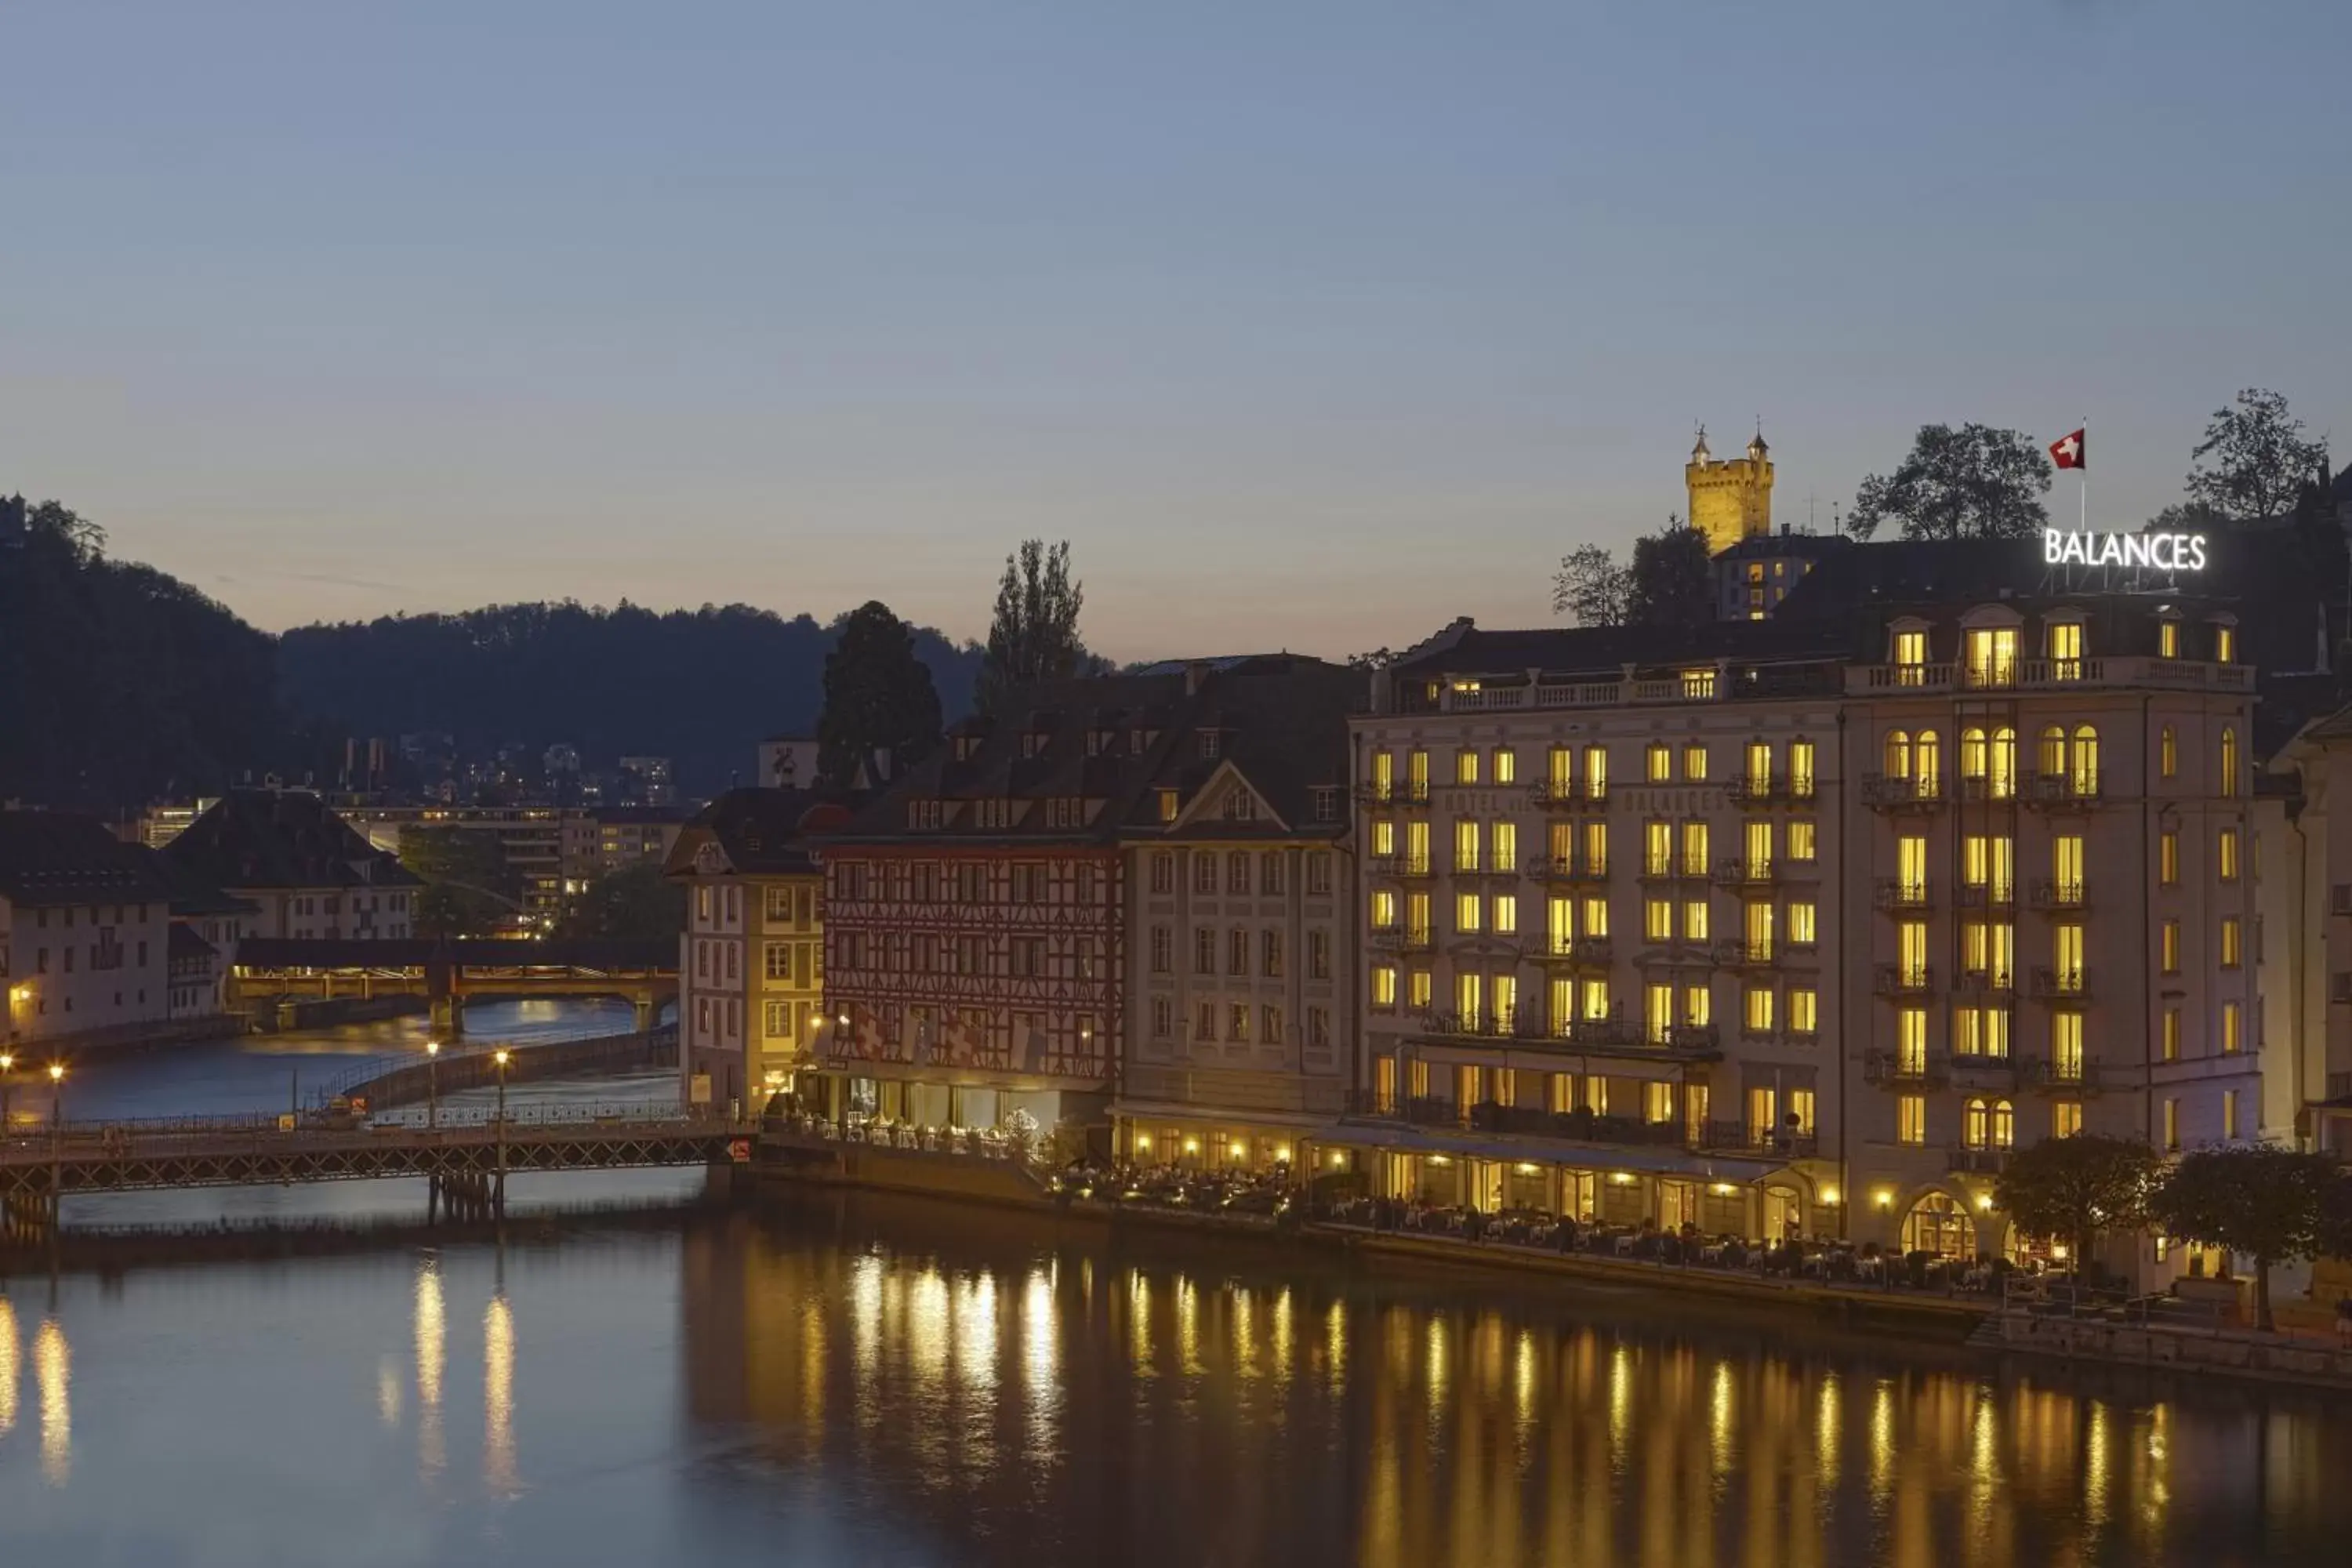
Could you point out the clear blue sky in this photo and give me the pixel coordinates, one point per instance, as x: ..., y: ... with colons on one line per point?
x: 1310, y: 324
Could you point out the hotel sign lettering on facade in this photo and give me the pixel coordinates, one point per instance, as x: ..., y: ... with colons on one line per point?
x: 2161, y: 551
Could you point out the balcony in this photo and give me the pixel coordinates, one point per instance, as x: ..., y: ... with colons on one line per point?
x: 1978, y: 788
x: 1406, y: 792
x: 2060, y: 898
x: 1903, y: 980
x: 1900, y: 893
x: 1904, y: 1069
x: 1483, y: 867
x: 1986, y: 985
x: 1986, y: 896
x: 2063, y: 1075
x: 1985, y: 1073
x: 1399, y: 868
x: 1975, y: 1162
x: 1739, y: 952
x: 1402, y: 939
x: 2062, y: 985
x: 1568, y: 949
x: 1659, y: 868
x: 2076, y: 790
x: 1562, y: 869
x: 1580, y: 1126
x: 1741, y: 872
x: 1902, y: 792
x: 1526, y: 1023
x: 2048, y: 674
x: 1569, y: 795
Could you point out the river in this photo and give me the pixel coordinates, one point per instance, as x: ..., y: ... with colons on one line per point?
x: 856, y: 1379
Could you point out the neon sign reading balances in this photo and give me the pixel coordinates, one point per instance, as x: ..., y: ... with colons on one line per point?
x: 2161, y: 551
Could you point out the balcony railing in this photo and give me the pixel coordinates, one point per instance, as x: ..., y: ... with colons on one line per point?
x: 1739, y: 871
x: 1986, y: 896
x: 1903, y: 980
x: 1984, y: 1071
x: 1905, y: 1068
x: 1570, y: 794
x: 1562, y: 869
x: 2060, y: 791
x: 1400, y: 868
x: 2061, y: 896
x: 1548, y: 949
x: 2062, y: 985
x: 1902, y: 792
x: 1979, y: 1162
x: 1900, y: 893
x: 1739, y: 952
x: 1402, y: 939
x: 1396, y: 791
x: 2064, y: 1074
x: 1997, y: 984
x: 2046, y: 674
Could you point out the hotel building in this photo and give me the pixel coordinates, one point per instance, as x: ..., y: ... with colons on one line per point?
x: 1805, y: 924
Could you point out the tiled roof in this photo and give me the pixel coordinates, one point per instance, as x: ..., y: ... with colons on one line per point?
x: 1115, y: 742
x: 762, y: 831
x: 53, y: 857
x: 282, y: 839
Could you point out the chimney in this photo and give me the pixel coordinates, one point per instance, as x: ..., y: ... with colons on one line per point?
x: 1196, y: 674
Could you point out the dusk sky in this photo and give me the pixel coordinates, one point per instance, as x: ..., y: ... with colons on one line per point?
x: 1308, y: 324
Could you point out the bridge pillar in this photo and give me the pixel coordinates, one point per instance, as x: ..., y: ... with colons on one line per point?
x: 645, y: 1011
x: 448, y: 1018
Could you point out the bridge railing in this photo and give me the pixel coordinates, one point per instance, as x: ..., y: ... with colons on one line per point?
x: 132, y: 1136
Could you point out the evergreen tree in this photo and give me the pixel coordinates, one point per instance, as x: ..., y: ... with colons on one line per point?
x: 1035, y: 632
x: 878, y: 698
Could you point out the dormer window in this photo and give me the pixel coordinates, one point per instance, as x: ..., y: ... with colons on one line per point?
x: 2225, y: 645
x: 1327, y: 802
x: 1208, y: 742
x: 1241, y: 807
x: 1033, y: 744
x: 1168, y: 805
x: 926, y: 815
x: 2065, y: 640
x: 2167, y: 639
x: 966, y: 748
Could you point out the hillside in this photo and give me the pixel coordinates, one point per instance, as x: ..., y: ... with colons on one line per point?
x: 699, y: 687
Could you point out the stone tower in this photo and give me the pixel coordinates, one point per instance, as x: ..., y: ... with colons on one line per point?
x: 1732, y: 499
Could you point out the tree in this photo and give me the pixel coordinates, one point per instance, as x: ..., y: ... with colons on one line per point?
x: 1975, y: 482
x: 1376, y: 659
x: 1592, y: 587
x: 633, y: 902
x: 1672, y: 578
x: 1035, y: 632
x: 878, y: 698
x: 2076, y: 1188
x: 2336, y: 1216
x: 2186, y: 517
x: 469, y: 888
x: 2255, y: 1199
x: 2259, y: 461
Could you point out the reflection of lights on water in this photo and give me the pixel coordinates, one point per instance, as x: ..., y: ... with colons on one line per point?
x: 53, y: 1374
x: 1038, y: 1361
x: 1718, y: 1417
x: 1139, y: 1321
x: 432, y: 1358
x: 1335, y: 1345
x: 1244, y: 1352
x: 498, y: 1395
x: 1284, y: 1347
x: 1826, y: 1430
x: 7, y: 1366
x: 1881, y: 1438
x: 813, y: 1362
x: 977, y: 1345
x: 1188, y: 1326
x: 1436, y: 1360
x: 2095, y: 1468
x: 926, y: 1328
x: 866, y: 1316
x: 387, y: 1392
x: 1523, y: 1379
x: 1620, y: 1402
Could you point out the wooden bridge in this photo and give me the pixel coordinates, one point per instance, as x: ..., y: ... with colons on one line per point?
x: 466, y: 1154
x: 282, y: 971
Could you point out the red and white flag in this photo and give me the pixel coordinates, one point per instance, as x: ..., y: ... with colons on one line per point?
x: 2067, y: 451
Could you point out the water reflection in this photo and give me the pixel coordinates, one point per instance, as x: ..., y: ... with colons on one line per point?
x: 7, y: 1366
x: 53, y: 1372
x: 1177, y: 1421
x: 432, y: 1360
x: 498, y: 1397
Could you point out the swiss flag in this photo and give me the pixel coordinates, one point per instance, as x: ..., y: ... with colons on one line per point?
x: 2067, y: 451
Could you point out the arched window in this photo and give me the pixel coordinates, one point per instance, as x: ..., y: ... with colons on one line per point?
x: 2004, y: 1125
x: 2003, y: 773
x: 2053, y: 759
x: 1938, y: 1225
x: 2229, y: 760
x: 1976, y: 1125
x: 1927, y: 761
x: 1972, y: 753
x: 2084, y: 776
x: 2167, y: 752
x: 1898, y: 753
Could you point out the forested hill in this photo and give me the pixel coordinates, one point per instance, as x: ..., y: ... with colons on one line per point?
x: 120, y: 684
x: 699, y: 687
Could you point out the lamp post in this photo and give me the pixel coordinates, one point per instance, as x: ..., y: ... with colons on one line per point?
x: 56, y: 1145
x: 500, y: 1201
x: 432, y: 1084
x: 8, y: 1064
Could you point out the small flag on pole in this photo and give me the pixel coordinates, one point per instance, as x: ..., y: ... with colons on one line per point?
x: 2067, y: 451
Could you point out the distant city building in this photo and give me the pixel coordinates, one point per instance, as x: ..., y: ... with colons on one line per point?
x: 307, y: 872
x: 751, y: 961
x: 787, y: 761
x: 645, y: 780
x: 1753, y: 577
x: 560, y: 759
x: 161, y: 824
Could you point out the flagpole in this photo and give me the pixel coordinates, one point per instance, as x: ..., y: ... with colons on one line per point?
x: 2082, y: 475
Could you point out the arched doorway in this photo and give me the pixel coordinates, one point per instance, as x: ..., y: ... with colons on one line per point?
x: 1938, y: 1223
x: 1784, y: 1213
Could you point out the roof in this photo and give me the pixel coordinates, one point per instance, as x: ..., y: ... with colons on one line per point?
x: 1279, y: 721
x: 1785, y: 543
x: 282, y: 839
x: 192, y: 894
x: 181, y: 943
x: 761, y: 831
x: 53, y: 857
x: 1462, y: 648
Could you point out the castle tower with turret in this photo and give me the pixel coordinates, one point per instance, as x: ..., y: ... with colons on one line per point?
x: 1732, y: 499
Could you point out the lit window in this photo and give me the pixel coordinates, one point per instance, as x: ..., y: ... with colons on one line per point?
x: 1658, y: 919
x: 1804, y: 1010
x: 2232, y: 1042
x: 1384, y: 985
x: 1465, y: 766
x: 2167, y: 752
x: 2171, y: 1033
x: 1468, y: 909
x: 2065, y: 1119
x: 1661, y: 762
x: 2167, y: 639
x: 1694, y: 763
x: 2168, y: 946
x: 2229, y: 854
x: 2167, y: 857
x: 2229, y: 761
x: 2229, y: 943
x: 1800, y: 924
x: 1506, y: 765
x: 1801, y: 839
x: 2225, y: 645
x: 1911, y: 1118
x: 1695, y: 921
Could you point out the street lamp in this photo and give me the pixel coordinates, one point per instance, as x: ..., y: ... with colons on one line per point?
x: 503, y: 1056
x: 432, y: 1084
x: 8, y: 1064
x: 56, y: 1145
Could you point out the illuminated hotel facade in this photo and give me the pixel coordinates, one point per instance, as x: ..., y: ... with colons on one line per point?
x: 1805, y: 925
